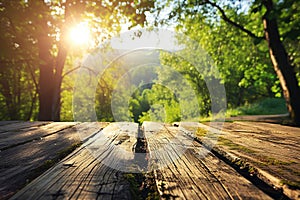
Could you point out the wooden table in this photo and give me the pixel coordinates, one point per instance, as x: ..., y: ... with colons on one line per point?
x: 106, y: 164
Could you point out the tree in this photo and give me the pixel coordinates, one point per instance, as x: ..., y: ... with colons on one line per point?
x: 243, y: 66
x: 109, y: 14
x: 273, y: 13
x: 45, y: 25
x: 281, y: 61
x: 18, y: 82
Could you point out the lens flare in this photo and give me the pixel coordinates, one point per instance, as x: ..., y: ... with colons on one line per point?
x: 80, y: 34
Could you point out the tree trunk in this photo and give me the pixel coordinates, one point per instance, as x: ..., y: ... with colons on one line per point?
x: 51, y: 76
x: 50, y: 83
x: 46, y: 78
x: 281, y: 64
x: 59, y: 66
x: 56, y: 106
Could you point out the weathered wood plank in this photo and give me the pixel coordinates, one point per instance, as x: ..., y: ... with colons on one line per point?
x: 2, y: 123
x: 20, y: 125
x: 87, y: 172
x: 19, y: 164
x: 273, y: 149
x: 24, y: 135
x: 186, y: 170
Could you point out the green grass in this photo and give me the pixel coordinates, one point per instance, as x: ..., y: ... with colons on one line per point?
x: 268, y: 106
x: 134, y: 185
x: 142, y: 186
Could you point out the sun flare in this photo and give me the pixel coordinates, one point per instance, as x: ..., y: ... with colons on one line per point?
x: 80, y: 34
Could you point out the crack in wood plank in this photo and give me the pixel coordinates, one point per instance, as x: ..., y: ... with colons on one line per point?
x: 194, y: 177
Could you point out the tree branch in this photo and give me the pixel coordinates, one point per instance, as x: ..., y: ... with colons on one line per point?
x: 70, y: 71
x: 33, y: 77
x: 76, y: 68
x: 231, y: 22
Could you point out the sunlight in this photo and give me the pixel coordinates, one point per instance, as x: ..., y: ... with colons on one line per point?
x: 80, y: 34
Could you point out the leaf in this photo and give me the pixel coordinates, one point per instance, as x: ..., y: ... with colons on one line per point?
x: 256, y: 9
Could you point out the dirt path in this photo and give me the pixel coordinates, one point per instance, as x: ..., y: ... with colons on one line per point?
x: 278, y: 119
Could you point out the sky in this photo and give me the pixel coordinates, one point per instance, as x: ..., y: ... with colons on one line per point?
x: 158, y: 39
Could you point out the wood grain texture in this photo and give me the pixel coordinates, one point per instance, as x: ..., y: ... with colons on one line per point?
x: 186, y: 170
x: 21, y: 134
x: 39, y: 145
x: 7, y: 126
x: 273, y: 149
x: 87, y: 172
x: 2, y: 123
x: 101, y: 168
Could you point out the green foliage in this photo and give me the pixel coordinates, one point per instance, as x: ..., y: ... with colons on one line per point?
x: 243, y: 62
x: 18, y: 76
x: 35, y: 49
x: 162, y: 105
x: 288, y: 18
x: 267, y: 106
x: 223, y: 29
x: 139, y: 103
x: 18, y: 92
x: 244, y: 68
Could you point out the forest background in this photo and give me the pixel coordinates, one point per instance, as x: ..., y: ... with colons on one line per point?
x: 254, y: 44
